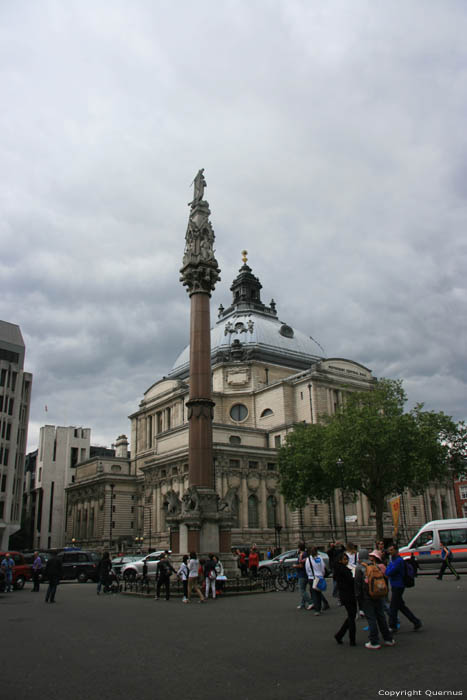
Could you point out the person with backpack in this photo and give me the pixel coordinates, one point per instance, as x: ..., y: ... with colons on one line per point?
x: 163, y: 573
x: 401, y: 575
x: 371, y: 589
x: 346, y: 589
x: 447, y: 557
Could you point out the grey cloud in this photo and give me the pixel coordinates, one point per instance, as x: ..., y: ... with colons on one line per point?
x: 333, y: 144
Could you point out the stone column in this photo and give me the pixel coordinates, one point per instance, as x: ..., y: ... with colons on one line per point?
x: 263, y: 516
x: 244, y: 503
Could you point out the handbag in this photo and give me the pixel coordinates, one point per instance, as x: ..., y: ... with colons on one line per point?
x: 319, y: 583
x: 322, y: 585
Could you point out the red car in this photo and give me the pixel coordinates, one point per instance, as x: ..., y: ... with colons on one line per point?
x: 21, y: 570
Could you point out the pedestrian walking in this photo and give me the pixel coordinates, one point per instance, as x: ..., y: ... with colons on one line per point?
x: 104, y: 568
x: 182, y: 573
x: 221, y: 578
x: 302, y: 578
x: 370, y: 594
x: 335, y: 552
x: 36, y: 572
x: 346, y: 588
x: 395, y: 571
x: 352, y: 554
x: 209, y: 572
x: 447, y: 557
x: 316, y: 570
x: 376, y: 558
x: 193, y: 587
x: 53, y: 573
x: 163, y: 573
x: 7, y: 569
x: 380, y: 546
x: 253, y: 561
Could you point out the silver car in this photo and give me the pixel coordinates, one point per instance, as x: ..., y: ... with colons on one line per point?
x: 288, y: 559
x: 135, y: 568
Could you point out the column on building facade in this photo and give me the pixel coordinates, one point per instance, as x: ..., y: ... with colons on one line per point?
x: 359, y: 510
x: 439, y: 501
x: 314, y: 405
x: 244, y: 503
x: 263, y: 515
x: 282, y: 511
x: 338, y: 507
x: 452, y: 502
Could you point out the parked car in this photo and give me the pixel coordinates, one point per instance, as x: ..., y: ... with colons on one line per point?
x: 21, y: 569
x: 288, y: 559
x: 135, y: 568
x: 80, y: 565
x: 119, y: 562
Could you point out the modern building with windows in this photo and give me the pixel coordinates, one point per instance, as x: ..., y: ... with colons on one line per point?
x: 60, y: 450
x: 266, y: 377
x: 15, y: 397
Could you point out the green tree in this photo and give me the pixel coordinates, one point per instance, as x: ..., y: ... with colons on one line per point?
x: 371, y: 445
x: 302, y: 473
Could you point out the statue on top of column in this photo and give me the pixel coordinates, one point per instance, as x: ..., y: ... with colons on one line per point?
x: 199, y: 183
x: 199, y: 271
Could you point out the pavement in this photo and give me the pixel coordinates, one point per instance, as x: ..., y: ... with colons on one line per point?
x: 87, y: 647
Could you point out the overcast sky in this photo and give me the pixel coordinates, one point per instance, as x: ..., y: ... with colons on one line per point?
x: 333, y: 137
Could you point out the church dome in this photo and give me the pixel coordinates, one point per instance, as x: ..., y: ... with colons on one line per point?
x: 249, y: 329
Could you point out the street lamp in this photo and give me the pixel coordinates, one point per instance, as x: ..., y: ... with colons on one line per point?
x: 340, y: 464
x: 110, y: 515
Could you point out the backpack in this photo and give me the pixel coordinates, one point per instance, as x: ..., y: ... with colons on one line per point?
x: 409, y: 574
x: 377, y: 584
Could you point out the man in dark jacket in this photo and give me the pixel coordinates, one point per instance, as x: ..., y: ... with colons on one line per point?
x: 346, y: 589
x: 163, y: 573
x: 53, y: 573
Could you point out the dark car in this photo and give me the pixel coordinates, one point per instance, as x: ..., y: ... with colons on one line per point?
x: 21, y: 570
x: 80, y: 565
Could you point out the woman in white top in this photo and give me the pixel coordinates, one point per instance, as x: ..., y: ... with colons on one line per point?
x: 182, y: 573
x: 315, y: 569
x: 221, y: 577
x: 193, y: 571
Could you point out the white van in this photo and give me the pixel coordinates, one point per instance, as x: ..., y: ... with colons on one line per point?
x: 426, y: 543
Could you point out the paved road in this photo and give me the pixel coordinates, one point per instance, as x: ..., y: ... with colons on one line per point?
x: 248, y: 648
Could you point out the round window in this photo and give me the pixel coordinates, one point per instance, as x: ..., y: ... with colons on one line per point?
x: 238, y: 412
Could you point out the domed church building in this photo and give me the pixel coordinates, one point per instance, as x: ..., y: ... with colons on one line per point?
x: 266, y: 377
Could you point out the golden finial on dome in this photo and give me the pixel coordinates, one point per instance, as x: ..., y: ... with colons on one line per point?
x: 244, y: 256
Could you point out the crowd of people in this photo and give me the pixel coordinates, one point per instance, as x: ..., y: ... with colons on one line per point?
x: 369, y: 584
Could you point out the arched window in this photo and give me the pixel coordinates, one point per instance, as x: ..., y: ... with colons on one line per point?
x: 271, y: 511
x: 266, y: 412
x: 253, y: 520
